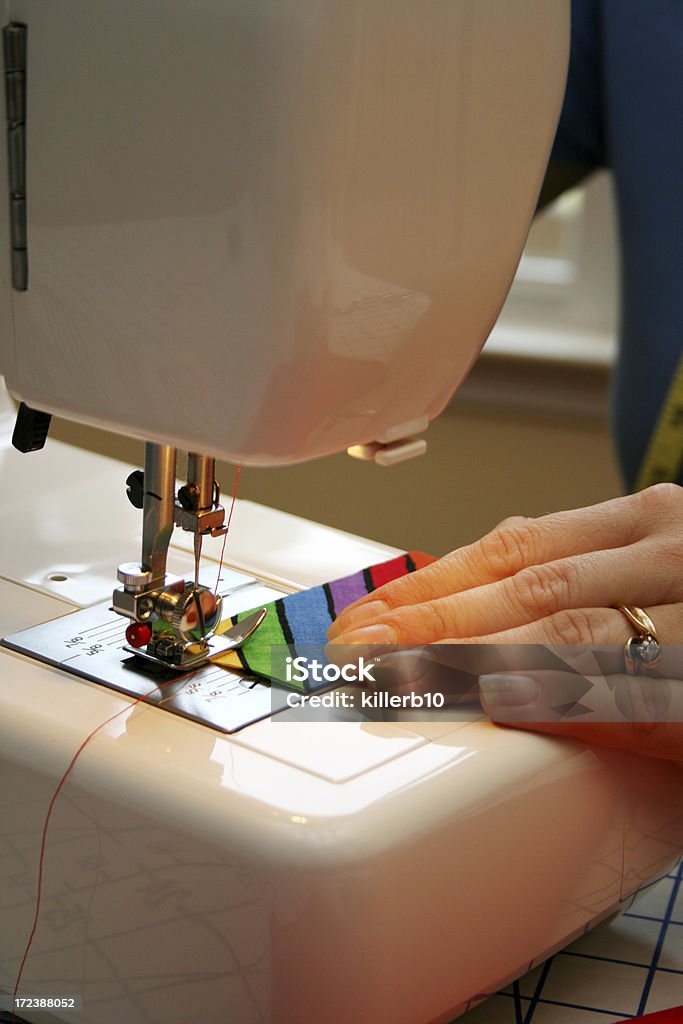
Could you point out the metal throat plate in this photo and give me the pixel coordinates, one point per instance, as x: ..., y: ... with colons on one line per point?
x: 90, y: 643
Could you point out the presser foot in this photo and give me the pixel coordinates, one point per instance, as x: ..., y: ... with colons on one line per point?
x: 180, y: 655
x: 189, y: 615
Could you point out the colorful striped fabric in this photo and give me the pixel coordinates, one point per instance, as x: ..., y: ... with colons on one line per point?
x: 300, y: 621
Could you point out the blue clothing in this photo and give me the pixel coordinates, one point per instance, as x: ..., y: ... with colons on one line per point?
x: 624, y: 110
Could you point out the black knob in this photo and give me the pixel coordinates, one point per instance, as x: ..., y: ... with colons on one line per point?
x: 135, y: 488
x: 188, y: 496
x: 30, y: 430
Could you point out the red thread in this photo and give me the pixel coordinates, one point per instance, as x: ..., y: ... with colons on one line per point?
x: 227, y: 528
x: 47, y: 823
x: 82, y: 747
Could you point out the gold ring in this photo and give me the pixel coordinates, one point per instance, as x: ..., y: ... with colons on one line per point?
x: 642, y: 651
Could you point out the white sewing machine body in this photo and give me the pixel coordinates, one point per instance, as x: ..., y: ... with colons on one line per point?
x: 268, y: 231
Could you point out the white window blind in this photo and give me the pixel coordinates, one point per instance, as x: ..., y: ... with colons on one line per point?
x: 563, y: 303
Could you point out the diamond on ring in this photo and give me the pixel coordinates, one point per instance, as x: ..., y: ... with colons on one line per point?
x: 643, y: 651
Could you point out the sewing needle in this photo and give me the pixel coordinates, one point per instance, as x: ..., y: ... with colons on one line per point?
x: 197, y: 601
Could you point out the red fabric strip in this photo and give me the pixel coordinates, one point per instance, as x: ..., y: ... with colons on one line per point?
x: 672, y: 1016
x: 421, y: 558
x: 385, y: 572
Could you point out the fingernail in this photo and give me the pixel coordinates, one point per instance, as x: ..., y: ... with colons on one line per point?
x: 355, y: 617
x: 362, y: 640
x: 403, y: 667
x: 501, y: 691
x: 378, y: 634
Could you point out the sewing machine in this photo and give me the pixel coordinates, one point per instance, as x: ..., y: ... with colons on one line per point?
x: 264, y: 232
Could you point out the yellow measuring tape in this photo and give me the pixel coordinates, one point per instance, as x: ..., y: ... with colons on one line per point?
x: 664, y: 455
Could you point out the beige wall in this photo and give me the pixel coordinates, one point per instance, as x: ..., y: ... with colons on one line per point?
x: 519, y: 438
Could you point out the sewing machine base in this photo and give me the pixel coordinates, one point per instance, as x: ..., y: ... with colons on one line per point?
x: 287, y: 871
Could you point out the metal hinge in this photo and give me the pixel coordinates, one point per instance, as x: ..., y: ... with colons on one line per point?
x: 14, y: 48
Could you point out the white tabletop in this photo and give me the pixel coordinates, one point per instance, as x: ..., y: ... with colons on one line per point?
x: 633, y: 965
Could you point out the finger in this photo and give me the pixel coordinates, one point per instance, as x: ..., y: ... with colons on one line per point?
x: 453, y: 667
x: 557, y: 697
x: 637, y: 713
x: 518, y: 543
x: 580, y: 660
x: 588, y: 640
x: 601, y: 631
x: 597, y: 579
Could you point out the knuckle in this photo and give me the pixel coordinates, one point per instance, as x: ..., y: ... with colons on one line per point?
x: 542, y: 589
x: 672, y: 558
x: 664, y: 497
x: 424, y: 623
x: 440, y: 620
x: 508, y: 547
x: 421, y: 623
x: 665, y: 566
x: 578, y: 626
x: 425, y: 583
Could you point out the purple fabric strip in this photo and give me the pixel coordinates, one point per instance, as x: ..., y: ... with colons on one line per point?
x: 347, y: 590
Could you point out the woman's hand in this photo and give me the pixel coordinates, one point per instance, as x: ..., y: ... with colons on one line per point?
x: 553, y: 581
